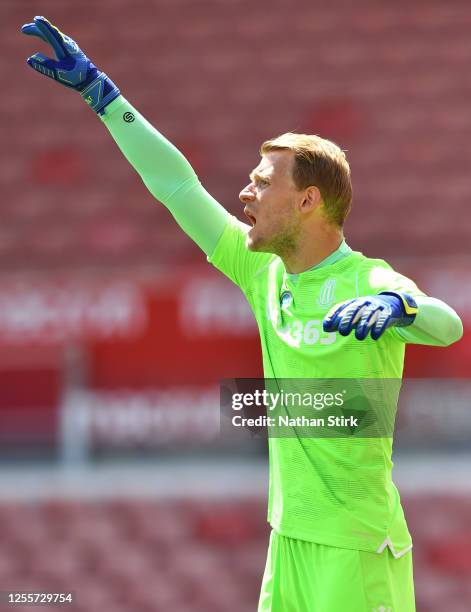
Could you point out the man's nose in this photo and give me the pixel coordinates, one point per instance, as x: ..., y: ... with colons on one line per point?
x: 247, y: 195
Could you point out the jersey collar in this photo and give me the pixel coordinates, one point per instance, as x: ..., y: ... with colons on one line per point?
x: 343, y: 251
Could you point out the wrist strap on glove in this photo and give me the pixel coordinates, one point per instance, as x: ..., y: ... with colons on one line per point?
x: 100, y: 92
x: 408, y: 304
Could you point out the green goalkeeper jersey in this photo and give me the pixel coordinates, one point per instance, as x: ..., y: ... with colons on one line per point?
x: 335, y: 491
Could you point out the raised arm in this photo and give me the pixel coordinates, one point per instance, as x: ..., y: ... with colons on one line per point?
x: 164, y: 170
x: 167, y: 174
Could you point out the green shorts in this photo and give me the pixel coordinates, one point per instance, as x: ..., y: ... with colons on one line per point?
x: 307, y: 577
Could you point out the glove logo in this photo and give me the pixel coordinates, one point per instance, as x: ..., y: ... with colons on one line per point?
x: 128, y: 117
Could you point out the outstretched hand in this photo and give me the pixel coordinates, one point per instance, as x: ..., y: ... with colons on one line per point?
x: 372, y: 314
x: 72, y: 68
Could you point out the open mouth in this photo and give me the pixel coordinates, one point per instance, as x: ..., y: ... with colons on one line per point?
x: 250, y: 217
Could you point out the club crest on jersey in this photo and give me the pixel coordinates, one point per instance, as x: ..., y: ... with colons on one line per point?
x: 286, y: 299
x: 327, y: 293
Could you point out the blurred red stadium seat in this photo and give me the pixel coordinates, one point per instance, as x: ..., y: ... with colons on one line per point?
x: 62, y: 544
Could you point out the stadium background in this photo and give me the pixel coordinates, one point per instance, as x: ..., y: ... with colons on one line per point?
x: 114, y: 332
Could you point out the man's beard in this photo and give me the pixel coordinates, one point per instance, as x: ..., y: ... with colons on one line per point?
x: 282, y: 245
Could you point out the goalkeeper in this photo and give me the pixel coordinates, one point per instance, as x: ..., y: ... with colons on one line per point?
x: 339, y: 539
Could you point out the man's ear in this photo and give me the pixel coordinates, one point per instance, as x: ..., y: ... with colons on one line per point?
x: 312, y: 199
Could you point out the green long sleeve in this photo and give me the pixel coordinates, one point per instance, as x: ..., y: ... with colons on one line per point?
x: 436, y: 324
x: 167, y: 174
